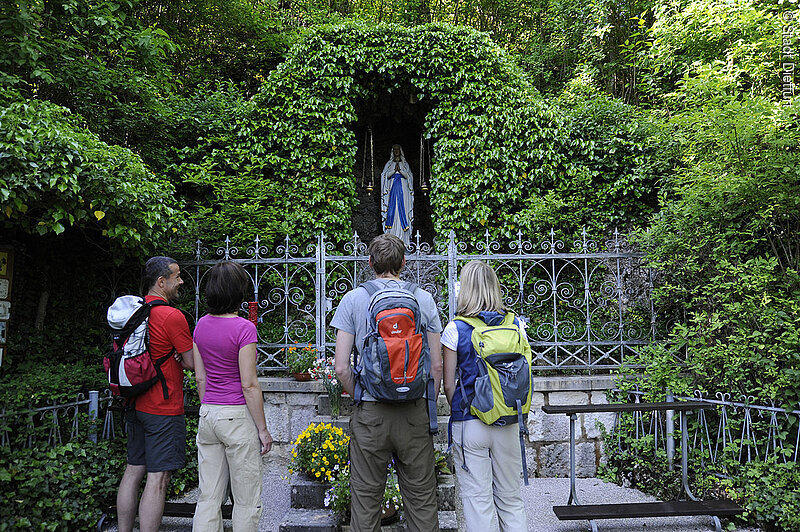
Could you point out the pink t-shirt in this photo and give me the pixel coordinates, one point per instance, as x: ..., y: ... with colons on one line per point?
x: 219, y: 340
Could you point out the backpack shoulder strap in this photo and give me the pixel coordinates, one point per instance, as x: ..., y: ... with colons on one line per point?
x: 508, y: 319
x: 410, y: 286
x: 370, y: 286
x: 472, y: 322
x: 158, y: 362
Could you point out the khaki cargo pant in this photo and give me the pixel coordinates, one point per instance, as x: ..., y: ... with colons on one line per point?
x: 380, y: 431
x: 228, y: 448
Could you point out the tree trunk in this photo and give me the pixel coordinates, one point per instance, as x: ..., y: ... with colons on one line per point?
x: 41, y: 310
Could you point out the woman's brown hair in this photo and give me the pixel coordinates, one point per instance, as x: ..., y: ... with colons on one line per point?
x: 227, y: 287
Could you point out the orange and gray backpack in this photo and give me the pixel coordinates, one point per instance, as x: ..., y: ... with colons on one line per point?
x: 395, y: 363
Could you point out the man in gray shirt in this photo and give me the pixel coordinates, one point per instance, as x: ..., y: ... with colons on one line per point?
x: 381, y: 431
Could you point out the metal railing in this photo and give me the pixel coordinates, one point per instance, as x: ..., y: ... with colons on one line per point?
x: 587, y: 305
x: 56, y: 424
x: 731, y: 433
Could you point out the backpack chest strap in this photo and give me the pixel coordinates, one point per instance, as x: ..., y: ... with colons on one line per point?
x: 475, y: 322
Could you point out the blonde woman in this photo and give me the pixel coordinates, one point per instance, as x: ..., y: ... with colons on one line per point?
x: 487, y: 457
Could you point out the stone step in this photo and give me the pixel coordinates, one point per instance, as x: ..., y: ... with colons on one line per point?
x: 324, y: 408
x: 302, y: 520
x: 310, y: 494
x: 343, y: 422
x: 447, y: 523
x: 307, y: 493
x: 446, y: 492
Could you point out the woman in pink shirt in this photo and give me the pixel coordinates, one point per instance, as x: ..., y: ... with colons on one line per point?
x: 232, y: 433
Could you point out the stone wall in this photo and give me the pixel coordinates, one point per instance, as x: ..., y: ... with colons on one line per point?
x: 548, y: 441
x: 290, y: 406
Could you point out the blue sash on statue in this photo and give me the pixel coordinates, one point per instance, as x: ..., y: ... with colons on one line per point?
x: 396, y: 201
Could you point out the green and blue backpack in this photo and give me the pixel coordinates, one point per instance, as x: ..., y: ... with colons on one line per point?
x: 503, y: 387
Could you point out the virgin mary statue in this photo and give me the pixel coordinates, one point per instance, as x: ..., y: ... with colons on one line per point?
x: 397, y: 196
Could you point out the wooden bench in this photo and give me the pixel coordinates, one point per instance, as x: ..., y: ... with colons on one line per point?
x: 692, y: 506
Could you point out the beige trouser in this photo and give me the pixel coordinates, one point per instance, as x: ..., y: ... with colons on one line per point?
x: 378, y: 432
x: 492, y: 484
x: 228, y: 448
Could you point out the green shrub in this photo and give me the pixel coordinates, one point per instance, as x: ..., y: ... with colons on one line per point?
x: 66, y: 487
x: 725, y: 244
x: 36, y: 383
x: 70, y: 486
x: 768, y: 493
x: 766, y: 490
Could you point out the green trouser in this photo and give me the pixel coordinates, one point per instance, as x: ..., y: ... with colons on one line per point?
x: 378, y: 432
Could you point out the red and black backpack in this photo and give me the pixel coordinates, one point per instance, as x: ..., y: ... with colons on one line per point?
x: 130, y: 368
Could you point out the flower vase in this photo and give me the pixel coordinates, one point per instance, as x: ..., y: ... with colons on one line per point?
x: 335, y: 400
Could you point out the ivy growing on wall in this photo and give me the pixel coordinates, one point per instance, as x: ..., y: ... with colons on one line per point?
x: 503, y: 160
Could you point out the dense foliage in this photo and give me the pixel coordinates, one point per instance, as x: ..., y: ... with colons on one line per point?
x: 766, y: 489
x: 54, y: 174
x: 727, y: 241
x: 69, y: 486
x: 131, y: 127
x: 545, y: 166
x: 42, y: 484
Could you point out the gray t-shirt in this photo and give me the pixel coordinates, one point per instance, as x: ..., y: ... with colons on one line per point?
x: 352, y: 313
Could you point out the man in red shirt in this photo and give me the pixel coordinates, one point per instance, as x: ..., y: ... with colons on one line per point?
x: 156, y: 426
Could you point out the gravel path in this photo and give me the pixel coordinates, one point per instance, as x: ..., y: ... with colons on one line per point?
x: 540, y: 496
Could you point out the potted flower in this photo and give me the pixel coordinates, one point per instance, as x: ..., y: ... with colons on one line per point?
x: 320, y: 451
x: 337, y: 498
x: 300, y: 360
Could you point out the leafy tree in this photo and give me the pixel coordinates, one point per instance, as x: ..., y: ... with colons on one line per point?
x: 727, y: 241
x: 55, y: 174
x: 736, y: 39
x: 225, y: 40
x: 555, y: 43
x: 90, y: 56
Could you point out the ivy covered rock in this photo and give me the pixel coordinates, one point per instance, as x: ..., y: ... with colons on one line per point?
x: 504, y: 159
